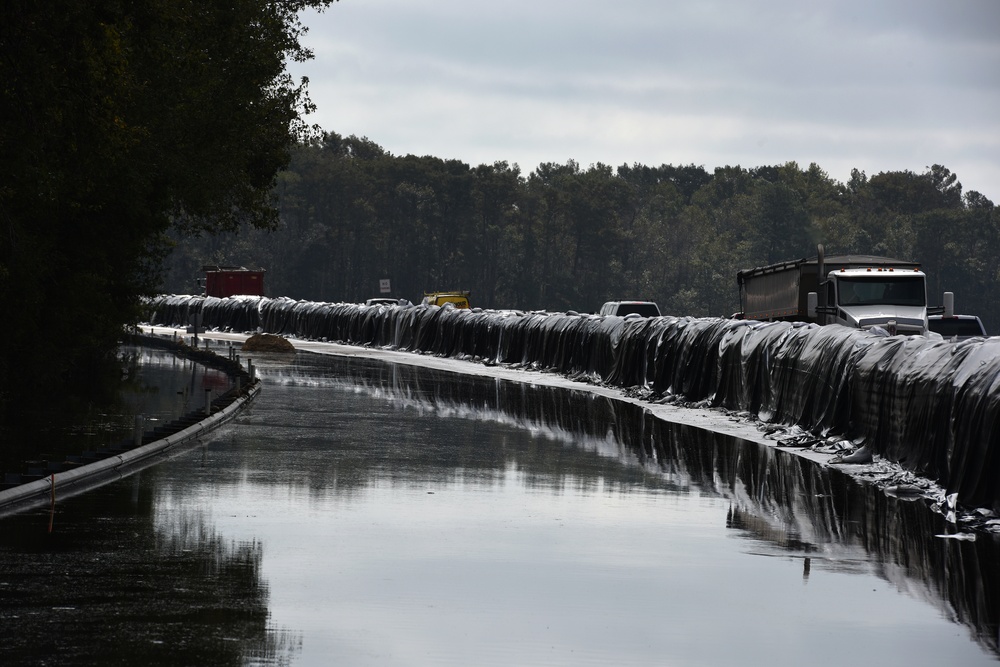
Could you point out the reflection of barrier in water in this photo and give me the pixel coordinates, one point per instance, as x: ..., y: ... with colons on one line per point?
x: 783, y: 504
x: 932, y: 406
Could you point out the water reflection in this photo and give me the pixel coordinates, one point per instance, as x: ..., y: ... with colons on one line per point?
x: 111, y: 585
x: 368, y: 513
x: 785, y: 505
x: 577, y: 420
x: 163, y: 385
x: 155, y: 383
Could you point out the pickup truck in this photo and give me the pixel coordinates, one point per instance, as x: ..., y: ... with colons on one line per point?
x: 623, y: 308
x: 957, y: 327
x: 386, y: 301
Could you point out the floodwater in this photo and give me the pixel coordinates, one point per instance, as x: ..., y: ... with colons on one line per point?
x: 365, y: 513
x: 165, y: 385
x: 159, y: 385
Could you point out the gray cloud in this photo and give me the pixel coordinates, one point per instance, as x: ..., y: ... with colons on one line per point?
x: 873, y: 85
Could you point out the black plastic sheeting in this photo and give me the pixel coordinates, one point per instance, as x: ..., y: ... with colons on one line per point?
x: 931, y: 406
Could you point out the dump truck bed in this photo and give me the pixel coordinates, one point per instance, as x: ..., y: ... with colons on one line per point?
x: 780, y: 291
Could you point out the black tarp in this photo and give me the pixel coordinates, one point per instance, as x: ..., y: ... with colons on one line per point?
x: 929, y: 405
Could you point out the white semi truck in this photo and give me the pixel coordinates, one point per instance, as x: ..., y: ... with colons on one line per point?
x: 859, y: 291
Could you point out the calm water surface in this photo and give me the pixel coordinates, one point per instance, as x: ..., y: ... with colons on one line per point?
x: 372, y: 514
x: 157, y: 384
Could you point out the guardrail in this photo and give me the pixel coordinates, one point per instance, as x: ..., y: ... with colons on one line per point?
x: 127, y: 457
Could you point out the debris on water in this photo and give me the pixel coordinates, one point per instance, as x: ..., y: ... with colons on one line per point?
x: 803, y: 440
x: 905, y: 491
x: 860, y: 455
x: 952, y: 500
x: 668, y: 399
x: 966, y: 537
x: 833, y: 445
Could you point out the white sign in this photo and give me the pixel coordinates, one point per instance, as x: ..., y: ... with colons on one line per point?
x: 383, y: 286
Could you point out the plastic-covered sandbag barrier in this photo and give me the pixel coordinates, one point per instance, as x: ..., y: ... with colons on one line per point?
x: 930, y: 406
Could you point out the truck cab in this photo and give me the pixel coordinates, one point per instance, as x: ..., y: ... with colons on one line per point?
x: 862, y: 298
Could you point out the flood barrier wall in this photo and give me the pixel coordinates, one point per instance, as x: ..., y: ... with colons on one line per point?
x: 931, y: 406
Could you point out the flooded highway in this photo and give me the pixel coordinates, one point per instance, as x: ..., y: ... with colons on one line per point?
x: 370, y: 513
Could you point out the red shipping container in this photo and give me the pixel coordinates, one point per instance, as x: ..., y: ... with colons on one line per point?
x: 223, y: 281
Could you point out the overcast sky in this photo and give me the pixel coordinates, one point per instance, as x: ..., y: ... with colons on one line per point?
x: 878, y: 85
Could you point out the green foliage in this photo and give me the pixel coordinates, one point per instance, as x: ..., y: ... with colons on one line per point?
x: 122, y: 122
x: 565, y: 237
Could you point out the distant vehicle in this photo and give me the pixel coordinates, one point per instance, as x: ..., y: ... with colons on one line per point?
x: 223, y: 281
x: 459, y: 299
x: 623, y: 308
x: 384, y: 301
x: 956, y: 327
x: 859, y: 291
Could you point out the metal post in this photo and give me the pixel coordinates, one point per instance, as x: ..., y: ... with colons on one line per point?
x: 137, y: 430
x: 208, y: 402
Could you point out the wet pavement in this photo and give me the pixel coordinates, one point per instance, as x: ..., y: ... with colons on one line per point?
x: 367, y: 513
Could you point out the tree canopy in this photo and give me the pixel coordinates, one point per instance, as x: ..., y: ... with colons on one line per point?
x: 566, y: 237
x: 120, y: 122
x: 170, y: 129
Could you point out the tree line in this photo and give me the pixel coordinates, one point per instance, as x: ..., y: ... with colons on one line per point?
x: 565, y: 237
x: 143, y: 140
x: 122, y: 121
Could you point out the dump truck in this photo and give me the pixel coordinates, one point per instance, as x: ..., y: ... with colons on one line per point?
x: 859, y: 291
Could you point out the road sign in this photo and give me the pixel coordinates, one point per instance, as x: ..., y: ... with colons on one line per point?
x: 383, y: 286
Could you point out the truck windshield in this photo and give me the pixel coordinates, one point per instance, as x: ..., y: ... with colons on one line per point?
x: 882, y: 291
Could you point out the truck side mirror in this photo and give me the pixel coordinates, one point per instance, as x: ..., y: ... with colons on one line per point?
x: 949, y: 304
x: 812, y: 300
